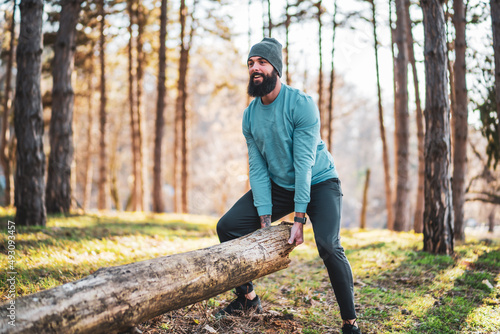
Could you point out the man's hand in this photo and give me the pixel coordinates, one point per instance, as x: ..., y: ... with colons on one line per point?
x: 297, y: 234
x: 265, y: 221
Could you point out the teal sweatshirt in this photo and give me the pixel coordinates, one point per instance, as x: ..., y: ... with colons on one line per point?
x: 284, y: 145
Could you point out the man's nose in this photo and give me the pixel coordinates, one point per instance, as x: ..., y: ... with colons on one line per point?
x: 254, y: 67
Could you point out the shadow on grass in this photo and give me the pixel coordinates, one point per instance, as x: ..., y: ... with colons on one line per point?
x: 70, y: 237
x: 100, y: 228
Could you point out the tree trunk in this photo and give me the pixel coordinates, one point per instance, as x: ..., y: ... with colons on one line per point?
x: 495, y: 24
x: 320, y: 73
x: 401, y: 213
x: 132, y: 105
x: 491, y: 219
x: 158, y: 205
x: 331, y: 88
x: 178, y: 136
x: 181, y: 111
x: 117, y: 298
x: 58, y: 192
x: 28, y: 118
x: 438, y: 212
x: 385, y: 151
x: 459, y: 121
x: 88, y: 170
x: 139, y: 117
x: 450, y: 44
x: 269, y: 20
x: 287, y: 41
x: 419, y: 208
x: 102, y: 197
x: 113, y: 167
x: 390, y: 223
x: 364, y: 206
x: 5, y: 136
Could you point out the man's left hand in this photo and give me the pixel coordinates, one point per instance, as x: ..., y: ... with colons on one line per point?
x: 297, y: 234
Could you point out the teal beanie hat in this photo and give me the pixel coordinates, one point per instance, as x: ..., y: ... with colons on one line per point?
x: 270, y: 50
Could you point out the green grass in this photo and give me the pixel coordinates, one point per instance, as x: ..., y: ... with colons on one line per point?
x: 399, y: 288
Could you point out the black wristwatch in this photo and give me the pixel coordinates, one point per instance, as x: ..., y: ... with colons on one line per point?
x: 300, y: 220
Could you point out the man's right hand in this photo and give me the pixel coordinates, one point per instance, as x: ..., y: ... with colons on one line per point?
x: 265, y: 221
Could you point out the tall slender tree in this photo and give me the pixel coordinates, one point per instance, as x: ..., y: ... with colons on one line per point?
x: 364, y: 206
x: 135, y: 194
x: 438, y: 212
x: 5, y: 135
x: 495, y: 23
x: 390, y: 224
x: 28, y: 118
x: 288, y: 20
x: 419, y: 206
x: 385, y: 150
x: 269, y: 19
x: 401, y: 213
x: 320, y: 73
x: 102, y: 196
x: 450, y: 44
x: 158, y: 205
x: 58, y: 191
x: 87, y: 165
x: 181, y: 140
x: 459, y: 118
x: 332, y: 81
x: 141, y: 22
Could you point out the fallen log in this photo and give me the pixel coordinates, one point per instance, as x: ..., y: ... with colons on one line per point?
x: 116, y: 299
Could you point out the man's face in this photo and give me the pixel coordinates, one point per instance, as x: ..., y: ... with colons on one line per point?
x: 263, y: 77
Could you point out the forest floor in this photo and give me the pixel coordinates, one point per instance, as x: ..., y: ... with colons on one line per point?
x: 399, y: 288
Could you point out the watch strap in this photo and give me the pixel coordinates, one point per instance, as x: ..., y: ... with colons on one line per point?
x: 300, y: 220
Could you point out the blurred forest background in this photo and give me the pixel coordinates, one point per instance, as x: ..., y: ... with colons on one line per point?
x: 148, y: 115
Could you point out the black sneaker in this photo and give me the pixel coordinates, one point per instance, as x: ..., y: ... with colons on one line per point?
x: 350, y: 329
x: 240, y: 305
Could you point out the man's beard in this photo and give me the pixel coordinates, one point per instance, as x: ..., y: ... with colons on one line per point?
x: 265, y: 87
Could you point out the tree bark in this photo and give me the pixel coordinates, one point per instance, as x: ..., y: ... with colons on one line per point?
x: 438, y: 212
x: 114, y: 165
x: 88, y: 170
x: 385, y: 150
x: 495, y: 23
x: 491, y: 219
x: 419, y: 207
x: 117, y: 298
x: 269, y: 20
x: 5, y: 136
x: 401, y: 213
x: 288, y: 18
x: 58, y: 191
x: 331, y: 88
x: 134, y: 197
x: 181, y: 140
x: 390, y: 224
x: 140, y: 17
x: 320, y: 72
x: 158, y: 205
x: 102, y: 196
x: 28, y: 118
x: 364, y: 206
x: 459, y: 118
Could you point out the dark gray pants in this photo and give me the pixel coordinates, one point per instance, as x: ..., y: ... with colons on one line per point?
x: 324, y: 211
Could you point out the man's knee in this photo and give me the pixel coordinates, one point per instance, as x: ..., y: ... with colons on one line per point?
x: 329, y: 248
x: 222, y: 226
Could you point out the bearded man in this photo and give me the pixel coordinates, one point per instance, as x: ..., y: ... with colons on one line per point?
x: 291, y: 170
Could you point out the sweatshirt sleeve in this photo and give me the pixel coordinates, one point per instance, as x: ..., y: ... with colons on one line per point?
x: 305, y: 142
x: 259, y: 174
